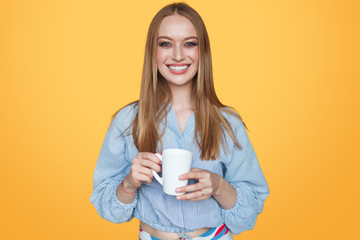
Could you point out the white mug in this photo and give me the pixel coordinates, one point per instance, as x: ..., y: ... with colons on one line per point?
x: 175, y: 162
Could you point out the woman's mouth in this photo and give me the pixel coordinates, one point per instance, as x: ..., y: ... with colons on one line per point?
x: 178, y: 69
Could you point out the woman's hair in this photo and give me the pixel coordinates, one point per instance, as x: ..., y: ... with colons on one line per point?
x: 155, y: 93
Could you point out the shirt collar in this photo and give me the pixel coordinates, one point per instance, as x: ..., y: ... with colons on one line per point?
x: 173, y: 125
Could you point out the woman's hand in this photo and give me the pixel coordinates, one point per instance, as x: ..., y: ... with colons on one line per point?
x: 141, y: 170
x: 208, y: 185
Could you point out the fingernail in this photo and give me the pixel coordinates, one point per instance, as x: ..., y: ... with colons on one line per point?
x: 177, y: 190
x: 181, y: 177
x: 178, y: 197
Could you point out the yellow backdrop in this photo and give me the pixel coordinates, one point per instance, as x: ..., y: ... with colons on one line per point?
x: 291, y: 68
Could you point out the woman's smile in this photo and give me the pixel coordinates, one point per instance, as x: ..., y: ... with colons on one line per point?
x: 179, y: 69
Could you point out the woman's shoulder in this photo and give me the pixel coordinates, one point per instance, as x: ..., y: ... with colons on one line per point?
x: 232, y: 116
x: 126, y: 114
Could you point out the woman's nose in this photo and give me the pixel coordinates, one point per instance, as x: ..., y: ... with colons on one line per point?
x: 178, y: 53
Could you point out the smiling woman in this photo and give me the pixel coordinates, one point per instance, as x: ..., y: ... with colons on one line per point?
x: 178, y: 108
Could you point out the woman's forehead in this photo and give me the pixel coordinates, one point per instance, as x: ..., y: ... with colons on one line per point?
x: 176, y: 25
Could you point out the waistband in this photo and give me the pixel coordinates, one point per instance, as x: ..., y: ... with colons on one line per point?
x: 211, y: 234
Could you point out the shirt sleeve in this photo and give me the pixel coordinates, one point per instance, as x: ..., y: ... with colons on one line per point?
x: 111, y: 168
x: 243, y: 172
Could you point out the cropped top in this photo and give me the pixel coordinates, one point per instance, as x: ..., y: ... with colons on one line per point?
x: 152, y: 206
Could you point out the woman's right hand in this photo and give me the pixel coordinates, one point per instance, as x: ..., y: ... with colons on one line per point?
x: 141, y: 170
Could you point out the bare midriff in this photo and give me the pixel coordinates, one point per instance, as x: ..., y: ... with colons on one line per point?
x: 167, y: 235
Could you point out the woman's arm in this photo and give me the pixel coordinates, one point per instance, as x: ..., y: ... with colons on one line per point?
x: 243, y: 174
x: 111, y: 168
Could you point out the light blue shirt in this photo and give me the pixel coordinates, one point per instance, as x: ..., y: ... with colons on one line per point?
x: 163, y: 212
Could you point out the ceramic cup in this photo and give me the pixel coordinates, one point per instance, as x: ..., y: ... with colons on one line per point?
x: 175, y: 162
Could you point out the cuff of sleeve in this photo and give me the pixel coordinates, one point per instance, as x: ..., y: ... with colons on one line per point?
x: 117, y: 211
x: 242, y: 215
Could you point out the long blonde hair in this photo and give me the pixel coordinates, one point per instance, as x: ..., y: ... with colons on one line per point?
x: 155, y: 93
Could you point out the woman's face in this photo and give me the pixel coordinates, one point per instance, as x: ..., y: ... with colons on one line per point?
x: 177, y: 54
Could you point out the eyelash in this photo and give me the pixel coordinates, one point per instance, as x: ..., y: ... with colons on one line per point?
x: 161, y: 44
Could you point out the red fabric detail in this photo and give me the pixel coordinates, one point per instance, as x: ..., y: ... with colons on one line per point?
x: 219, y: 230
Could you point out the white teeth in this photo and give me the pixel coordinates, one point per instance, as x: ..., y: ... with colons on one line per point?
x: 179, y: 68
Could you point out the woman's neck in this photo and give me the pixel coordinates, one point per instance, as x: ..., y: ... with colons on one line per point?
x: 181, y: 97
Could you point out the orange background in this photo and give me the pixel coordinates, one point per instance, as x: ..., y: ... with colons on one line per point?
x: 291, y: 68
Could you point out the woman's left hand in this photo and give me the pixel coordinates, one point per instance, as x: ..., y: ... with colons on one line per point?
x: 207, y: 186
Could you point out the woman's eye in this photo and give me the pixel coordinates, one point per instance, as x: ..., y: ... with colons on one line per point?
x: 191, y: 44
x: 166, y: 44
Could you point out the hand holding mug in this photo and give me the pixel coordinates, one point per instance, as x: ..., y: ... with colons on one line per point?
x: 208, y: 185
x: 141, y: 170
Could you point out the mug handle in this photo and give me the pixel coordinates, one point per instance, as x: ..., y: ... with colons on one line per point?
x: 158, y: 178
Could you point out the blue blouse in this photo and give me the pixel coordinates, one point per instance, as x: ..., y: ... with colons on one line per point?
x: 163, y: 212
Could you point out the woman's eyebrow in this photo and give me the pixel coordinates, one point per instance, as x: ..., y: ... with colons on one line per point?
x: 172, y: 39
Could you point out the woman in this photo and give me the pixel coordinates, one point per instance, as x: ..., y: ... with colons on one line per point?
x: 178, y: 108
